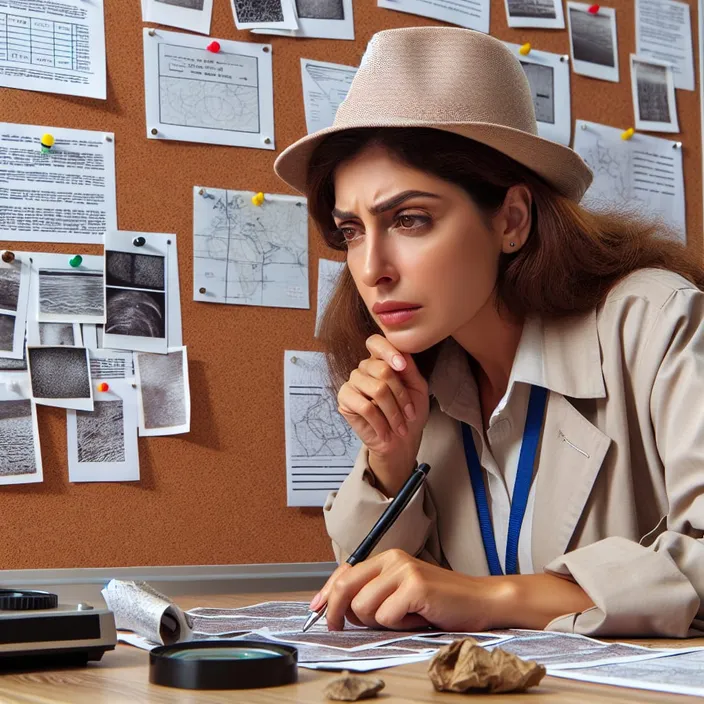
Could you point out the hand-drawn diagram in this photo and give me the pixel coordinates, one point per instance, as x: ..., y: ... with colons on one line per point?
x: 247, y: 254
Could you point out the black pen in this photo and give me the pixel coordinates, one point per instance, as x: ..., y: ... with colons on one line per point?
x: 393, y: 511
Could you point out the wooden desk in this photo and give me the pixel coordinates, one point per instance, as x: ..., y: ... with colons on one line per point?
x: 122, y: 676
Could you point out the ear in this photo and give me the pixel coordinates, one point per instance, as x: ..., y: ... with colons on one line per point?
x: 516, y: 218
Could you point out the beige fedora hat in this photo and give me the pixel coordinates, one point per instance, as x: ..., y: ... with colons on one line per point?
x: 451, y: 79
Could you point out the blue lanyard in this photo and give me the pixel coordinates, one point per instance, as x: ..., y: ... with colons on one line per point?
x: 521, y: 489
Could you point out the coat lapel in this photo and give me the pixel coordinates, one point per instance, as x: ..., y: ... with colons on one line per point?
x: 571, y: 455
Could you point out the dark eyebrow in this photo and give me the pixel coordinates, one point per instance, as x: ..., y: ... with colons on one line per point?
x: 385, y: 205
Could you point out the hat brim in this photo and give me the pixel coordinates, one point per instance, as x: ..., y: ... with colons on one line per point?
x: 560, y: 166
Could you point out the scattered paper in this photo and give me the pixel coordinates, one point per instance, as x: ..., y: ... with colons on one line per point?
x: 325, y: 86
x: 472, y: 14
x: 65, y: 195
x: 60, y: 376
x: 272, y: 14
x: 248, y: 254
x: 66, y: 293
x: 195, y: 95
x: 653, y: 91
x: 21, y: 457
x: 549, y: 78
x: 321, y: 447
x: 593, y: 41
x: 677, y: 672
x: 664, y: 33
x: 642, y: 175
x: 102, y: 444
x: 321, y: 19
x: 329, y: 271
x: 54, y: 47
x: 194, y: 15
x: 136, y: 293
x: 148, y: 613
x: 14, y: 299
x: 535, y: 13
x: 164, y: 393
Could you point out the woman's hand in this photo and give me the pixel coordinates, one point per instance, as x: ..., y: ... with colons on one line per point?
x: 386, y: 402
x: 396, y: 591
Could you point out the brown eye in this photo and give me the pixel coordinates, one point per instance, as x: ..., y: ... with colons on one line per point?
x: 411, y: 222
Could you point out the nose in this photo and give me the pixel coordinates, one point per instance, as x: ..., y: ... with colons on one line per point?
x: 378, y: 266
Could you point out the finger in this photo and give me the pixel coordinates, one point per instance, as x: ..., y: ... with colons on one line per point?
x: 398, y: 611
x: 380, y: 348
x: 353, y: 402
x: 372, y: 595
x: 364, y: 431
x: 380, y: 392
x: 379, y: 369
x: 322, y: 595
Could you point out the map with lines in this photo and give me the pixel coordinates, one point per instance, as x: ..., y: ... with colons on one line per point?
x: 250, y: 254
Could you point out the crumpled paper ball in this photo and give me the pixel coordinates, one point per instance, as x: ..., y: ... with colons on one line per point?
x: 350, y: 688
x: 464, y: 666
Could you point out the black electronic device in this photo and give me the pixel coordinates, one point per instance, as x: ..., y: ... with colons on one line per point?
x: 37, y: 631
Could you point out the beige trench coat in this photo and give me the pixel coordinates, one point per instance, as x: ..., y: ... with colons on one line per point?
x: 619, y: 495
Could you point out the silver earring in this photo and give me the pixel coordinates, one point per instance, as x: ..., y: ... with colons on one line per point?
x: 511, y: 244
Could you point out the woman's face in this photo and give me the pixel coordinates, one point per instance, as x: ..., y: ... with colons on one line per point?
x: 417, y: 243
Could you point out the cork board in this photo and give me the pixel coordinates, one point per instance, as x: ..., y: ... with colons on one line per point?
x: 218, y: 495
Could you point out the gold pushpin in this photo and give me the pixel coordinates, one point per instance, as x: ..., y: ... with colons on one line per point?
x: 47, y: 142
x: 258, y: 199
x: 525, y: 49
x: 627, y: 134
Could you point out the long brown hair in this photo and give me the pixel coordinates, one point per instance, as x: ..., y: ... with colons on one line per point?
x: 572, y: 258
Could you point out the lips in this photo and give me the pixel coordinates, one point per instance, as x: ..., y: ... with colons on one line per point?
x: 392, y: 306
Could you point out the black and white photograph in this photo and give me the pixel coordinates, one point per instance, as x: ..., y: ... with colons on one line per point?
x: 136, y: 313
x: 20, y: 459
x: 9, y: 288
x: 593, y: 41
x: 164, y: 394
x: 102, y: 444
x: 653, y: 87
x: 13, y: 365
x: 542, y: 86
x: 70, y: 295
x: 535, y: 13
x: 58, y: 334
x: 60, y: 376
x: 271, y: 14
x: 188, y: 4
x: 132, y: 270
x: 194, y: 15
x: 101, y: 433
x: 320, y: 9
x: 7, y: 332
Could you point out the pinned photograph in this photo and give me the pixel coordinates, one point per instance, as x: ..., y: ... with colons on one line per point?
x: 102, y: 444
x: 654, y: 102
x: 70, y: 295
x: 14, y: 298
x: 60, y: 376
x: 264, y: 14
x: 164, y: 394
x: 549, y: 78
x: 535, y: 13
x: 593, y: 41
x: 21, y: 457
x: 55, y: 334
x: 322, y: 19
x: 194, y: 15
x: 136, y: 291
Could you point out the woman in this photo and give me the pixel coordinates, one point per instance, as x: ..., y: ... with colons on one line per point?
x: 490, y: 310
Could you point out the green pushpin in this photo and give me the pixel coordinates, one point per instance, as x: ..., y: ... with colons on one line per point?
x: 76, y: 261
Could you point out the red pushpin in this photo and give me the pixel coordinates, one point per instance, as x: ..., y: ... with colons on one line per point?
x: 594, y: 10
x: 214, y: 47
x: 103, y: 387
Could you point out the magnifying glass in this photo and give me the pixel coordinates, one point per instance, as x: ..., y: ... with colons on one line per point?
x: 223, y: 664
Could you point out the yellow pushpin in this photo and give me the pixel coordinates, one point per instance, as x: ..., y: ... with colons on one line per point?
x: 525, y: 49
x: 258, y: 199
x: 628, y: 133
x: 47, y: 142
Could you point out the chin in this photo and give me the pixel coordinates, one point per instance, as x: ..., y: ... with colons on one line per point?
x: 412, y: 341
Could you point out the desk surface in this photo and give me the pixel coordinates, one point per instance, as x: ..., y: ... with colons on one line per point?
x: 122, y: 676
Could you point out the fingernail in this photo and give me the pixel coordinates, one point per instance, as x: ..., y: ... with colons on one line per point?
x: 316, y: 602
x: 402, y: 430
x: 398, y: 362
x: 410, y: 412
